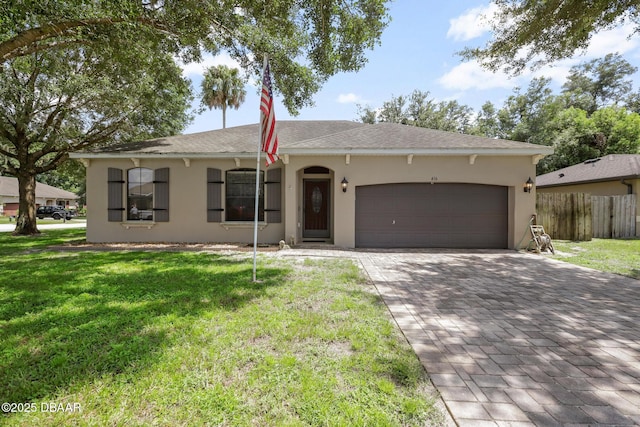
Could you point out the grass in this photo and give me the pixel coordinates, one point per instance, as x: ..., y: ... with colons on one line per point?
x: 185, y: 338
x: 611, y: 255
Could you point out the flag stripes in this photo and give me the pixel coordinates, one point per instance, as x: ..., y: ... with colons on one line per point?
x: 268, y: 119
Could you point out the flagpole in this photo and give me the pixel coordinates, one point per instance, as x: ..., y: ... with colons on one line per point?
x: 257, y: 200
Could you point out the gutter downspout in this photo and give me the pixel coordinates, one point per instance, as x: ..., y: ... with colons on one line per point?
x: 629, y: 186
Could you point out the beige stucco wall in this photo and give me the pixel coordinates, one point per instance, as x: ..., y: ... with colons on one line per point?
x: 188, y: 194
x: 609, y: 188
x: 369, y: 170
x: 187, y: 206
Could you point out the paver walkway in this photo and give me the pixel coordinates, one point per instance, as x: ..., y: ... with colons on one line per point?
x: 517, y: 339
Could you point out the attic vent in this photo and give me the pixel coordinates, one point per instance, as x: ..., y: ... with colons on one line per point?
x: 561, y: 175
x: 590, y: 161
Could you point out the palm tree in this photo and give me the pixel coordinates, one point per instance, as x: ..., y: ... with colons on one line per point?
x: 223, y: 87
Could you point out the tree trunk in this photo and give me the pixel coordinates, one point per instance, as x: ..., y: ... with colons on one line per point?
x: 224, y: 116
x: 26, y: 223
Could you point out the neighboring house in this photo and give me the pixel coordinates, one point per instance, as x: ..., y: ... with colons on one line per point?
x: 611, y: 175
x: 46, y: 195
x: 341, y: 182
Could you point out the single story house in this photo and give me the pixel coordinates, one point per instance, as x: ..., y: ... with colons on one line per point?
x: 611, y: 175
x: 346, y: 183
x: 46, y: 195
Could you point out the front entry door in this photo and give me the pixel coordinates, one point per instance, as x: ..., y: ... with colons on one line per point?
x: 316, y: 209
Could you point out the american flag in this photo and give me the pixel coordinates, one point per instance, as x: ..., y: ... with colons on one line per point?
x: 268, y: 119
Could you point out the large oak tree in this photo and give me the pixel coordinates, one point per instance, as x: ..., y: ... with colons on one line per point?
x: 68, y: 100
x: 79, y: 73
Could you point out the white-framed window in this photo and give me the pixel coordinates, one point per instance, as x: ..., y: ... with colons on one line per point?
x: 146, y: 197
x: 140, y: 194
x: 240, y: 195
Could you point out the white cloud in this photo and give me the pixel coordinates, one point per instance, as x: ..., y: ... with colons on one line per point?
x: 472, y: 23
x: 470, y: 75
x: 557, y: 72
x: 613, y: 40
x: 194, y: 69
x: 349, y: 98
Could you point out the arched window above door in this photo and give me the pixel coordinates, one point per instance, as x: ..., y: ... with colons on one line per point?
x: 316, y: 170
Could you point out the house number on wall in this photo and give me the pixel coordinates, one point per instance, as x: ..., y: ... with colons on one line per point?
x: 316, y: 200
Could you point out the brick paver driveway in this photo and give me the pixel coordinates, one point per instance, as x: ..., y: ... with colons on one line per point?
x: 517, y: 339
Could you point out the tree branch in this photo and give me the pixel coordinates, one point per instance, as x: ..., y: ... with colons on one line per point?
x: 26, y: 41
x: 7, y: 153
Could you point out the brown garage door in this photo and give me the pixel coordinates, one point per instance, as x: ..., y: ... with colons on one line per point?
x: 431, y: 216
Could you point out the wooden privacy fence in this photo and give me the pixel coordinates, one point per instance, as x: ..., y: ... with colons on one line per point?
x: 565, y: 216
x: 614, y: 216
x: 581, y: 216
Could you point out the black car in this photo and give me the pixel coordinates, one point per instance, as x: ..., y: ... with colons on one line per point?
x: 55, y: 212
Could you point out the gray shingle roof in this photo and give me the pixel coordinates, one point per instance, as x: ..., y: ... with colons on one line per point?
x: 297, y: 137
x: 607, y: 168
x: 240, y: 139
x: 9, y: 187
x: 398, y: 136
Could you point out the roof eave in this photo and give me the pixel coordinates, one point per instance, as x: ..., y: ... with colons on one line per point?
x: 589, y: 181
x: 536, y: 151
x: 131, y: 155
x: 421, y: 151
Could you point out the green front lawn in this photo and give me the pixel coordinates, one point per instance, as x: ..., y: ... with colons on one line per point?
x: 612, y: 255
x: 186, y: 338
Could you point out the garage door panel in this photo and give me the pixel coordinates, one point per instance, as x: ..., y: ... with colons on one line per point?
x: 425, y: 215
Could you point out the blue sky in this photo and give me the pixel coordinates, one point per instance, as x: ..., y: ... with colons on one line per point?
x: 418, y: 51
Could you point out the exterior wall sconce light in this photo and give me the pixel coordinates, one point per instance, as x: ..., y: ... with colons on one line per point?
x: 344, y: 183
x: 528, y: 186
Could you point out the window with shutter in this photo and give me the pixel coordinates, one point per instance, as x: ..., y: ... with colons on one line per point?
x: 241, y: 195
x: 140, y: 194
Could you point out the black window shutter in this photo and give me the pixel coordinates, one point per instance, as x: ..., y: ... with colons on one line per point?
x: 214, y: 195
x: 161, y: 195
x: 115, y: 184
x: 273, y: 189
